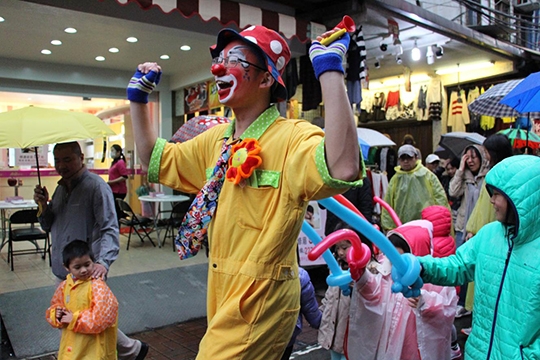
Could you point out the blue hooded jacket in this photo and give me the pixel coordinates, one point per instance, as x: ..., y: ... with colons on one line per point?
x: 309, y: 307
x: 504, y: 261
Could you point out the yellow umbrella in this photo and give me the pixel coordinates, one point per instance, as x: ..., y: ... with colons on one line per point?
x: 34, y: 126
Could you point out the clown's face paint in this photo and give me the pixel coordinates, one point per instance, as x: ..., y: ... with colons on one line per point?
x: 236, y: 82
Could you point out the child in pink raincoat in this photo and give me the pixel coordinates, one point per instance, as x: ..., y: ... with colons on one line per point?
x: 384, y: 325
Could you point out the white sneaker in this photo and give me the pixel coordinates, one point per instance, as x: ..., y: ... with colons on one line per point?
x: 455, y: 352
x: 461, y: 311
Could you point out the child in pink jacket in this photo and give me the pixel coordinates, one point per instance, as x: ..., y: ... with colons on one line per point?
x: 443, y: 245
x: 385, y: 325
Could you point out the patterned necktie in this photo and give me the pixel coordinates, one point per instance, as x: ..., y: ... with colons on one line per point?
x: 193, y: 231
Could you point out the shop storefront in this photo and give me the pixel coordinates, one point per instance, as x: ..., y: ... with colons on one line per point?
x: 18, y: 170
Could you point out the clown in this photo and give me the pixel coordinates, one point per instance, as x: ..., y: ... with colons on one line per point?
x: 263, y: 190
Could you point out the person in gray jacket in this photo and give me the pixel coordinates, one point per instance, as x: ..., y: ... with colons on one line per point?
x: 82, y: 207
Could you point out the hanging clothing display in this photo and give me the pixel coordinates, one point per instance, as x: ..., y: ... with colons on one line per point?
x: 356, y: 56
x: 435, y: 111
x: 421, y: 104
x: 392, y: 105
x: 291, y: 78
x: 379, y: 182
x: 458, y: 112
x: 435, y: 98
x: 379, y: 102
x: 311, y: 88
x: 474, y: 118
x: 366, y: 106
x: 486, y: 122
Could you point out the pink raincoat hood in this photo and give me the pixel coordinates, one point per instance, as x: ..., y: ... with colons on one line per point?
x: 418, y: 234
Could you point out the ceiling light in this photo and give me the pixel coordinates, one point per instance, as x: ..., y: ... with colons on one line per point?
x: 100, y: 58
x: 377, y: 64
x: 164, y: 57
x: 70, y: 30
x: 185, y: 47
x: 2, y: 19
x: 383, y: 46
x: 399, y: 61
x: 465, y: 67
x: 429, y: 55
x: 132, y: 39
x: 114, y: 50
x: 56, y: 42
x: 46, y: 52
x: 415, y: 52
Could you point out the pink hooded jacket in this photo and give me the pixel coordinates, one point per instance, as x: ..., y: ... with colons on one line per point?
x: 440, y: 216
x: 382, y: 324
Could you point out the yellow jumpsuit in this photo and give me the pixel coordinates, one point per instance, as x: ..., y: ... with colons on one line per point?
x: 253, y: 289
x: 91, y: 335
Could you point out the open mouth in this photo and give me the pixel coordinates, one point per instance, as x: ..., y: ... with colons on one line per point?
x: 224, y: 85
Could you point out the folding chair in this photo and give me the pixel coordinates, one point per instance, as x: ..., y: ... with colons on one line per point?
x: 135, y: 222
x: 32, y: 232
x: 178, y: 212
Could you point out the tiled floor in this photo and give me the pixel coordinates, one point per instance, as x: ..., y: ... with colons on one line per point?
x: 32, y: 271
x: 173, y: 342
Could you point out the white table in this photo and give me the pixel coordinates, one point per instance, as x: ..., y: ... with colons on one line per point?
x: 6, y: 206
x: 159, y: 199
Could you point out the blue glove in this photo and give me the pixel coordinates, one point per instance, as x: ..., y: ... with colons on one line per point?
x: 329, y: 58
x: 141, y: 85
x: 409, y: 283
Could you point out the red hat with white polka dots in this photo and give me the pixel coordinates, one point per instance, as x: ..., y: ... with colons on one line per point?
x: 267, y: 44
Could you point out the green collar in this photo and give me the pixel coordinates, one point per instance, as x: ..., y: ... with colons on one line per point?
x: 258, y: 127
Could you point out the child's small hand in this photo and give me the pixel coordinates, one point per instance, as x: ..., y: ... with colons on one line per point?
x: 59, y: 313
x: 413, y: 302
x: 66, y: 317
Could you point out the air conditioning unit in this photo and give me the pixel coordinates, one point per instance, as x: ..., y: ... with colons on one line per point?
x: 527, y: 5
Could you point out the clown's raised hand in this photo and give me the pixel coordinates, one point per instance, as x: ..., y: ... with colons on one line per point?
x: 329, y: 58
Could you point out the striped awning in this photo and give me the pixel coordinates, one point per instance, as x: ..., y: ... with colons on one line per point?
x: 227, y: 12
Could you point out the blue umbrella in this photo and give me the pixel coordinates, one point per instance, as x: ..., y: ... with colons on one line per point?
x: 364, y: 147
x: 525, y: 97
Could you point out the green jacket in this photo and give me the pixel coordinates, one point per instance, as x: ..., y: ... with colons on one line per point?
x: 504, y: 262
x: 410, y: 192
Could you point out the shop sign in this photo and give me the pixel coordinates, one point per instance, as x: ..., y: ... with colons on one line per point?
x: 196, y: 98
x: 316, y: 217
x: 27, y: 157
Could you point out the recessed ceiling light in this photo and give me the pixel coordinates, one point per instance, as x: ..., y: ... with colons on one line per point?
x: 185, y: 47
x: 46, y: 52
x: 70, y: 30
x: 164, y: 57
x: 114, y: 50
x: 100, y: 58
x: 132, y: 39
x: 56, y: 42
x: 2, y: 19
